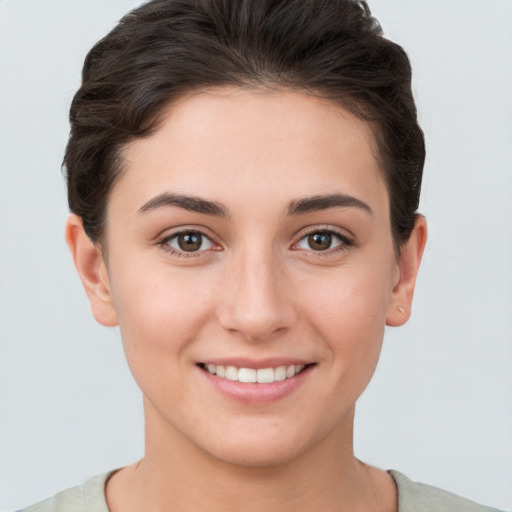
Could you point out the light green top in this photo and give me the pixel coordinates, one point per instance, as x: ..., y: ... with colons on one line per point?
x: 412, y: 497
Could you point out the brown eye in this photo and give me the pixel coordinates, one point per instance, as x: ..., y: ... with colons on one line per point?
x: 190, y: 241
x: 320, y: 241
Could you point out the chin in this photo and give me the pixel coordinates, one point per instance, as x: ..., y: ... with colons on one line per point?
x: 272, y: 444
x: 255, y: 454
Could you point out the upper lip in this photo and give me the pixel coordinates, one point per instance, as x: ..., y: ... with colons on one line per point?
x: 272, y: 362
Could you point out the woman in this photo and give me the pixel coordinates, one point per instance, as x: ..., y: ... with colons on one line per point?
x: 244, y: 180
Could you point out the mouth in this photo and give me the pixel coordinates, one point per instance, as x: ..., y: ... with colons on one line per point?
x: 254, y: 375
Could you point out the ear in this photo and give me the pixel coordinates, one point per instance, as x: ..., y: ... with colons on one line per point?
x: 408, y: 264
x: 90, y: 264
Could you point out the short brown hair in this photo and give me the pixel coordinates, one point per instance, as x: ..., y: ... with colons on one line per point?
x: 166, y: 48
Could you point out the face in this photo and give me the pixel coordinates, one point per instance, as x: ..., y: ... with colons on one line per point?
x: 249, y: 240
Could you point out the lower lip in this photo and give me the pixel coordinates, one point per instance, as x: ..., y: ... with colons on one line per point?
x: 253, y: 393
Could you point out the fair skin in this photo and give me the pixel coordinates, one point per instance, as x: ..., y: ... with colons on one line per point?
x: 250, y: 230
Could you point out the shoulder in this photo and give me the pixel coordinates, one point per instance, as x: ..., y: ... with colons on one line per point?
x: 417, y: 497
x: 89, y: 497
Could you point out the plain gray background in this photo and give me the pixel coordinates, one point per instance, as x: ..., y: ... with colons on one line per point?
x: 440, y: 406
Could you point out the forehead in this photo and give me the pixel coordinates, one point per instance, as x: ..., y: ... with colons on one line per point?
x: 234, y: 143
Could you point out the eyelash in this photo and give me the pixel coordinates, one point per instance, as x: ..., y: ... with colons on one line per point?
x: 344, y: 242
x: 164, y: 243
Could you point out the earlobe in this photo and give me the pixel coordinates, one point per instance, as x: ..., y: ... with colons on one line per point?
x: 400, y: 303
x: 91, y: 268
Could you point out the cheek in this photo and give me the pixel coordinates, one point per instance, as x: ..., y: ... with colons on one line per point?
x: 160, y: 315
x: 347, y: 310
x: 350, y: 300
x: 160, y: 310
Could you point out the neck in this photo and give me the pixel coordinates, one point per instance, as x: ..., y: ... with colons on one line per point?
x: 176, y: 474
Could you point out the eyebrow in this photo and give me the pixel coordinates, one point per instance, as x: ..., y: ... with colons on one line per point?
x: 296, y: 207
x: 324, y: 202
x: 191, y: 203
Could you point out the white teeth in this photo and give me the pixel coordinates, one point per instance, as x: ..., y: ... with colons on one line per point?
x: 280, y: 373
x: 231, y: 373
x: 265, y: 375
x: 250, y: 375
x: 246, y: 375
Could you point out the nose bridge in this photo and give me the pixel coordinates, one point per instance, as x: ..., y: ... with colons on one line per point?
x: 255, y: 301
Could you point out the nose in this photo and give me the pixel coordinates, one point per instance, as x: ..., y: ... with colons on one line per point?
x: 256, y: 299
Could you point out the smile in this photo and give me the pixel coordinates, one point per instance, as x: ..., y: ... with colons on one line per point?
x: 252, y: 375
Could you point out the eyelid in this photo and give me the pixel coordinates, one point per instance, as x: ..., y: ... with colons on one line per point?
x: 163, y: 239
x: 347, y: 240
